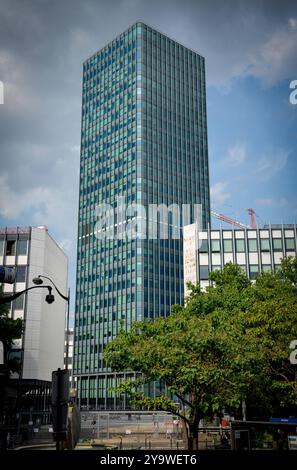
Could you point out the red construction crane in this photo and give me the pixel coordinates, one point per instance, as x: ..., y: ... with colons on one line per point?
x: 227, y: 219
x: 252, y: 216
x: 231, y: 221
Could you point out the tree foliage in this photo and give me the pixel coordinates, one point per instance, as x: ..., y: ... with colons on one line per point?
x: 228, y: 343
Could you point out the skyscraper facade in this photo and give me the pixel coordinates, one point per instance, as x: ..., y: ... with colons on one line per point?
x: 144, y: 139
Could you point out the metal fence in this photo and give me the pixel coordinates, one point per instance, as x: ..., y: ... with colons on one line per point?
x: 137, y: 429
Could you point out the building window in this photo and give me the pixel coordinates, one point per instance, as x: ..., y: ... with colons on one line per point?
x: 15, y: 355
x: 19, y: 303
x: 243, y: 267
x: 240, y: 245
x: 203, y: 248
x: 290, y: 244
x: 216, y: 268
x: 22, y: 247
x: 10, y: 247
x: 203, y: 273
x: 252, y: 244
x: 265, y: 244
x: 228, y: 246
x: 21, y: 274
x: 215, y: 246
x: 277, y: 244
x: 266, y: 268
x: 254, y: 271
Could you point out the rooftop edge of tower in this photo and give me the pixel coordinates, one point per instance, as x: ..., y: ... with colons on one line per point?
x: 135, y: 25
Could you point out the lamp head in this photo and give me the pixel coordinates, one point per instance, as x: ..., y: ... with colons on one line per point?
x: 37, y: 280
x: 49, y: 298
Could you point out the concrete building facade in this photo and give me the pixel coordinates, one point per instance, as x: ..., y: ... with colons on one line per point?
x: 32, y: 251
x: 255, y: 250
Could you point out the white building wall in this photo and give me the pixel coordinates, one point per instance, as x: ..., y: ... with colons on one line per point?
x: 45, y: 324
x: 190, y: 263
x: 278, y: 243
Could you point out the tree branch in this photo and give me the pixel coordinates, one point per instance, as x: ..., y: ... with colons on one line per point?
x: 278, y: 373
x: 187, y: 402
x: 176, y: 413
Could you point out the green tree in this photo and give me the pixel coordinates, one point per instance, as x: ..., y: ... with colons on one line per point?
x: 288, y: 271
x: 272, y: 314
x: 228, y: 343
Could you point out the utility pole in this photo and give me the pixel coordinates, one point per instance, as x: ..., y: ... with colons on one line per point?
x: 60, y: 397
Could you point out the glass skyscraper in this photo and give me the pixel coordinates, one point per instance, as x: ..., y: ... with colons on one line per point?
x: 144, y: 138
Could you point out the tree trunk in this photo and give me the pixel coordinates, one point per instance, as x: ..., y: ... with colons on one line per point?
x: 193, y: 434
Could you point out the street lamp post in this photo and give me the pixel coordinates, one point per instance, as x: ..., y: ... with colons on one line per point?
x: 37, y: 280
x: 50, y: 299
x: 59, y: 403
x: 8, y: 298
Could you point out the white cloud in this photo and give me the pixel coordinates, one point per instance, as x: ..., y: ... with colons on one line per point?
x: 275, y: 59
x: 14, y: 73
x: 269, y: 165
x: 238, y: 39
x: 236, y: 155
x: 75, y: 148
x: 264, y: 201
x: 66, y: 244
x: 292, y: 23
x: 269, y: 201
x: 49, y: 206
x: 218, y: 192
x: 264, y: 48
x: 14, y: 204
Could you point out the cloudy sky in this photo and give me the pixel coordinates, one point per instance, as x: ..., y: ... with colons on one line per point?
x: 251, y: 57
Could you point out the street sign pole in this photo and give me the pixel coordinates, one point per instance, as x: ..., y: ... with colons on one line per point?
x: 58, y: 431
x: 60, y: 398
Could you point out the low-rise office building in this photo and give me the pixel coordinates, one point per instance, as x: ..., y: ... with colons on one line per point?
x: 32, y: 251
x: 255, y: 250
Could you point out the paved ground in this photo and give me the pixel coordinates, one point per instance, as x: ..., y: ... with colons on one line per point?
x: 136, y: 441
